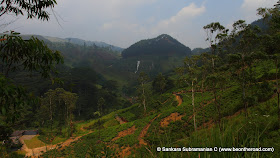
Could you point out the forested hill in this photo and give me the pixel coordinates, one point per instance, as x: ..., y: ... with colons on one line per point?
x: 162, y: 55
x: 227, y: 98
x: 96, y: 43
x: 77, y: 41
x: 163, y: 45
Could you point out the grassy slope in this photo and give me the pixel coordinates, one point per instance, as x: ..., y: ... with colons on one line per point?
x: 34, y: 143
x: 259, y: 129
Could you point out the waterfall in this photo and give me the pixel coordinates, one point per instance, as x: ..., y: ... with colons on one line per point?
x: 138, y: 64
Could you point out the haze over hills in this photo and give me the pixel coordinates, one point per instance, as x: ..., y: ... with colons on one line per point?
x: 157, y: 55
x: 90, y: 43
x: 160, y: 54
x: 81, y: 42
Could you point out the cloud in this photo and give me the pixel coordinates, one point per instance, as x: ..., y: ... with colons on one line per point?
x: 118, y: 22
x: 178, y: 25
x: 249, y: 8
x: 101, y: 9
x: 186, y: 13
x: 182, y: 26
x: 182, y: 18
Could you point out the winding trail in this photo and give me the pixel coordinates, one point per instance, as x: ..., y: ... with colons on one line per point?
x: 144, y: 132
x: 179, y: 99
x: 171, y: 118
x: 124, y: 133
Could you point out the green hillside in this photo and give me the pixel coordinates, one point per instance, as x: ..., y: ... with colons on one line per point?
x: 222, y: 100
x: 166, y: 123
x: 156, y: 99
x: 165, y: 55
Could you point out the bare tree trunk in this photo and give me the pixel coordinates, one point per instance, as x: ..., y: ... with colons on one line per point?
x: 213, y: 63
x: 193, y: 105
x: 144, y: 99
x: 144, y: 104
x: 212, y: 58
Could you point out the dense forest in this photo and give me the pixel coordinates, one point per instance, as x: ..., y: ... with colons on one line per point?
x: 158, y: 96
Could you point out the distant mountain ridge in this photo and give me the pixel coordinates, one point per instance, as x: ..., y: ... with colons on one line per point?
x: 90, y: 43
x: 161, y: 54
x: 81, y: 42
x: 163, y: 45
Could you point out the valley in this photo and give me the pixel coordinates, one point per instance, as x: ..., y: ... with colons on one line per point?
x: 69, y: 97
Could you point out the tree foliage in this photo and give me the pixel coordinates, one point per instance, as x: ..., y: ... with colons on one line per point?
x: 14, y: 102
x: 33, y: 9
x: 57, y: 106
x: 17, y: 54
x: 31, y: 55
x: 159, y: 83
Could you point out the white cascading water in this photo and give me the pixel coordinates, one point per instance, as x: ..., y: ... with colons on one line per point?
x: 138, y: 64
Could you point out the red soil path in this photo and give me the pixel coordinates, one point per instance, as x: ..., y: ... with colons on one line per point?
x: 125, y: 133
x: 144, y: 132
x: 171, y: 118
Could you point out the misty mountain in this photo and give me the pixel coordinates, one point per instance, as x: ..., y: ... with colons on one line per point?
x: 157, y: 55
x: 152, y: 56
x: 48, y: 39
x: 91, y: 43
x: 163, y: 45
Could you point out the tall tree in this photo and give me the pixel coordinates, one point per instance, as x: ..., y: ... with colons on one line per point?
x: 215, y: 33
x: 192, y: 71
x: 82, y: 81
x: 248, y: 37
x: 204, y: 71
x: 143, y: 79
x: 60, y: 105
x: 205, y: 61
x: 215, y: 82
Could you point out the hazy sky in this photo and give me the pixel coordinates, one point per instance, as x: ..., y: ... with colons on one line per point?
x: 124, y: 22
